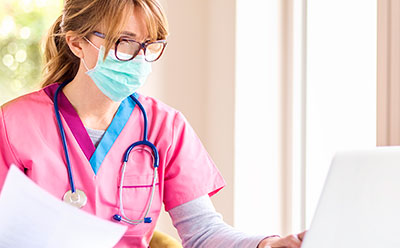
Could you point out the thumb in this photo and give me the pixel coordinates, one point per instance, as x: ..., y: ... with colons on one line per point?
x: 301, y: 235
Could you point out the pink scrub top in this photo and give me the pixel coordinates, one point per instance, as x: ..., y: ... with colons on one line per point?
x: 30, y: 139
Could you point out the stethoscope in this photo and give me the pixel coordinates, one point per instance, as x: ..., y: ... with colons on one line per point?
x: 78, y: 198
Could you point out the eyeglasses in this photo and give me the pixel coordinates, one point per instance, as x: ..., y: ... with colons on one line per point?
x: 127, y: 49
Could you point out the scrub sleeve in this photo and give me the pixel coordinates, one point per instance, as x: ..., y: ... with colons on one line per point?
x: 189, y: 173
x: 7, y: 156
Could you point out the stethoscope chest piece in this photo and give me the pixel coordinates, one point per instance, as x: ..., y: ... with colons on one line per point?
x: 77, y: 199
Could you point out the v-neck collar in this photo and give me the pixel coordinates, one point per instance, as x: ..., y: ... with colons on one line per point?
x: 120, y: 119
x: 94, y: 155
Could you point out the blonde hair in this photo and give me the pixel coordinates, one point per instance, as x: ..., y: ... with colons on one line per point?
x: 82, y: 17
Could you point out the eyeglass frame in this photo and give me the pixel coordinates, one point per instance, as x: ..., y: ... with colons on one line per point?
x: 143, y: 46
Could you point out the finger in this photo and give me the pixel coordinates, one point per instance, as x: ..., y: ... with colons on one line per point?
x: 290, y: 241
x: 301, y: 235
x: 293, y: 241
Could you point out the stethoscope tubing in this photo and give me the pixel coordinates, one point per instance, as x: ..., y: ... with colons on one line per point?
x: 124, y: 218
x: 143, y: 142
x: 62, y: 133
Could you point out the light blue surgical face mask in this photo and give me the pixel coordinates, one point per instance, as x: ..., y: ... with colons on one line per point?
x: 118, y: 79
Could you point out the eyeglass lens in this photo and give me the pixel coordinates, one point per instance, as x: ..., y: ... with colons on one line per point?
x: 131, y: 48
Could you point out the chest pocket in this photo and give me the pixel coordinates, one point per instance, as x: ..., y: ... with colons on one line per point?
x: 138, y: 185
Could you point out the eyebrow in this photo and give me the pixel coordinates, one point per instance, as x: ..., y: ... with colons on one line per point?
x: 129, y: 34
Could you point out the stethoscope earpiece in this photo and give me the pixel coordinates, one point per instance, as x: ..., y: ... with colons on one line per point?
x: 118, y: 217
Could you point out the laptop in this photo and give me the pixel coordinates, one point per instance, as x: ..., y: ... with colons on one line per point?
x: 360, y: 203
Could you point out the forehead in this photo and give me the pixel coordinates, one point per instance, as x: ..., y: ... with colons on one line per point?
x: 135, y: 24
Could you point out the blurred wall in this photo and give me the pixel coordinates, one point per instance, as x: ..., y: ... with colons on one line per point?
x: 196, y: 76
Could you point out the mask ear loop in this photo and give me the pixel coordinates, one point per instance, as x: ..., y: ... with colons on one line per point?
x: 98, y: 49
x: 83, y: 60
x: 85, y: 65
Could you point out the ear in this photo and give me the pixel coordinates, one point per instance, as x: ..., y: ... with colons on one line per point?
x: 75, y: 43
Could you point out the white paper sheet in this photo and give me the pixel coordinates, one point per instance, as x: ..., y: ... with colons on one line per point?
x: 31, y: 217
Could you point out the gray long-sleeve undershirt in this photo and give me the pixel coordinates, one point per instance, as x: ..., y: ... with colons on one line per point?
x: 199, y: 225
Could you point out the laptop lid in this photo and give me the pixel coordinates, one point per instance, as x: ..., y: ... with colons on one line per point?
x: 360, y: 203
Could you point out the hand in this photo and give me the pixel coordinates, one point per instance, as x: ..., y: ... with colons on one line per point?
x: 291, y: 241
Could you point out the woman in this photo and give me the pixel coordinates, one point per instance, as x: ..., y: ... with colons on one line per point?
x: 70, y: 137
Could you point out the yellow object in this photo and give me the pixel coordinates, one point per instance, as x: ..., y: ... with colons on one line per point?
x: 162, y: 240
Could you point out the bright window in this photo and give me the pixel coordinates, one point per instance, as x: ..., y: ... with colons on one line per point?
x: 341, y: 85
x: 257, y: 196
x: 23, y: 23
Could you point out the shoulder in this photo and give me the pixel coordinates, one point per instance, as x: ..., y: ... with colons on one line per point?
x: 157, y: 108
x: 35, y: 104
x: 157, y: 105
x: 163, y: 117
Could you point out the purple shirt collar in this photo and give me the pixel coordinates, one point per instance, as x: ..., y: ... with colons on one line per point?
x: 73, y: 120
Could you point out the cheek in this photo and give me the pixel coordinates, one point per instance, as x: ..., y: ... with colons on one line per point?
x: 91, y: 61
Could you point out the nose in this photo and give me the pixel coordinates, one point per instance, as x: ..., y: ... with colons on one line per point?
x: 141, y: 51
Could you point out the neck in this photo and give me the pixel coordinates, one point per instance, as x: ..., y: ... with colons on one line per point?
x: 94, y: 108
